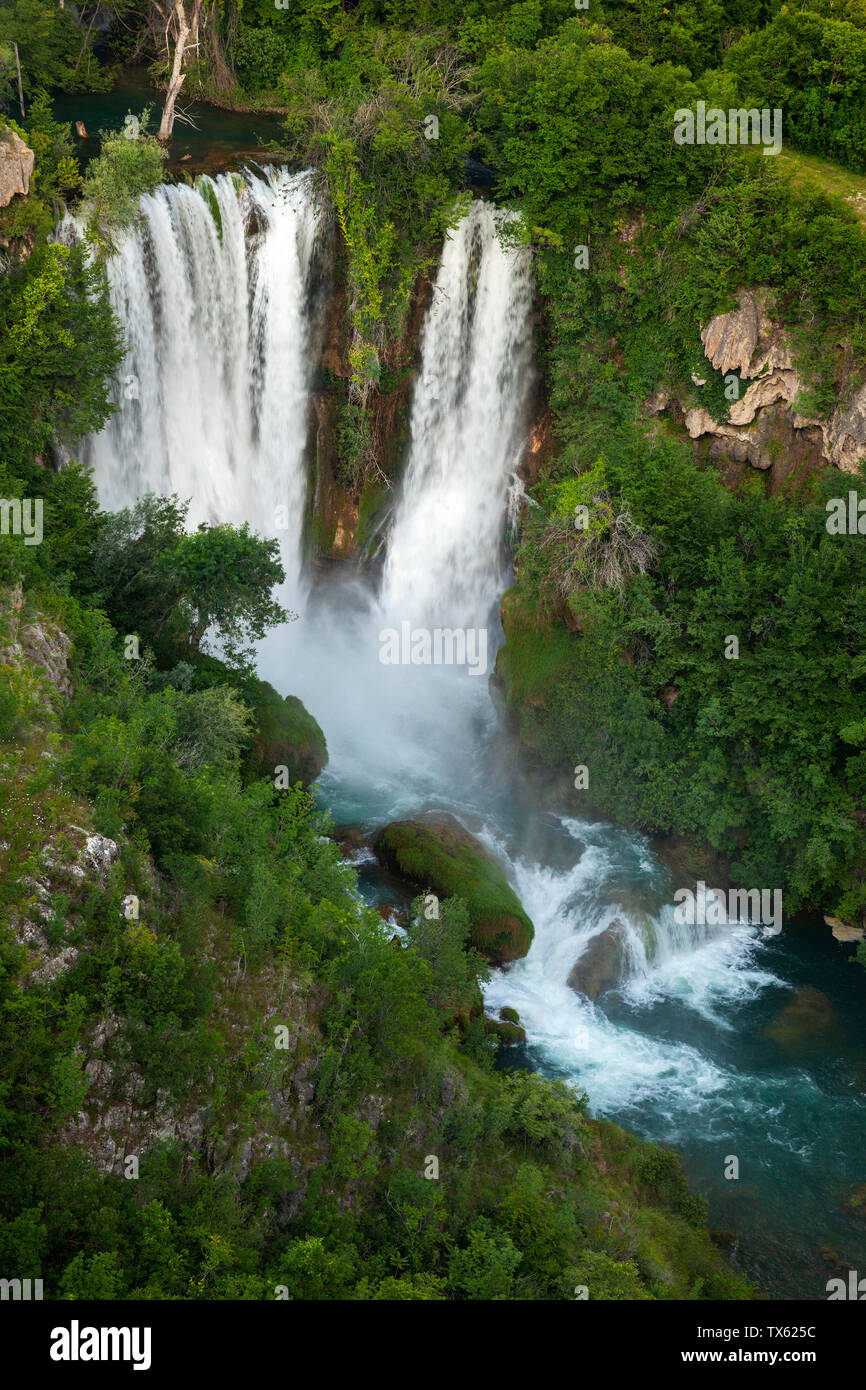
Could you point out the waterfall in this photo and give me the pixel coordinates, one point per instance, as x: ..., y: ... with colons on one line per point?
x: 212, y: 394
x: 445, y: 556
x: 406, y: 735
x: 214, y: 289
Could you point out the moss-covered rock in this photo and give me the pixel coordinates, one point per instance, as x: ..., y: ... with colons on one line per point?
x: 509, y: 1015
x: 507, y: 1033
x: 441, y: 855
x: 285, y: 734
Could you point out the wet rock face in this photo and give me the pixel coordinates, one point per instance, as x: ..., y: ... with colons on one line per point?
x: 601, y: 965
x: 507, y: 1033
x: 16, y: 166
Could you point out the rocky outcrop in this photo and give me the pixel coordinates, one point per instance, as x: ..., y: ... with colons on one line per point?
x: 32, y: 641
x: 845, y: 434
x: 506, y: 1028
x: 16, y: 166
x: 730, y: 339
x: 764, y: 428
x: 66, y: 864
x: 774, y: 443
x: 844, y: 931
x: 123, y: 1118
x: 440, y: 855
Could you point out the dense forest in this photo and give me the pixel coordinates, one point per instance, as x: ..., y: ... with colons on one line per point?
x: 309, y: 1107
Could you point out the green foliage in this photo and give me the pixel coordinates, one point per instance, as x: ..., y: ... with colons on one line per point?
x: 383, y: 123
x: 59, y: 342
x: 91, y: 1276
x: 661, y: 1170
x: 608, y: 1279
x: 544, y: 1114
x: 55, y: 47
x: 593, y: 543
x: 443, y: 941
x: 786, y: 786
x: 579, y: 129
x: 172, y: 587
x: 814, y: 68
x: 263, y: 55
x: 692, y: 32
x: 354, y: 444
x: 485, y: 1268
x: 311, y: 1271
x: 124, y: 169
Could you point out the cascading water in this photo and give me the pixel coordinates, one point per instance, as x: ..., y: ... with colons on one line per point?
x: 413, y: 734
x: 212, y: 396
x: 219, y: 337
x: 445, y: 551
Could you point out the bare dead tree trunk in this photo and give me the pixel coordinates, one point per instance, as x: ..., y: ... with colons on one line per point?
x: 183, y: 28
x: 20, y: 85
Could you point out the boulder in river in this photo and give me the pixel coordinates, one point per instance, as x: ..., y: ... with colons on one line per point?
x: 508, y: 1033
x: 440, y: 855
x: 285, y: 734
x: 601, y: 965
x: 808, y: 1021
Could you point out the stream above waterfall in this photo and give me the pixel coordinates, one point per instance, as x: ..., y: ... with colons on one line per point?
x: 221, y: 335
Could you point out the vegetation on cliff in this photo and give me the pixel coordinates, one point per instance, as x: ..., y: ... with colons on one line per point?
x: 221, y: 1077
x: 187, y: 974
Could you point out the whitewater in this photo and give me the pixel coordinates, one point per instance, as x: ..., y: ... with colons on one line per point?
x: 220, y: 313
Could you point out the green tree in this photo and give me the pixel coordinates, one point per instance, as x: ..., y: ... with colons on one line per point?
x: 129, y: 164
x: 173, y: 588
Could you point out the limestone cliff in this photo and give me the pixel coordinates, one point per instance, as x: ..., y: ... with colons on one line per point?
x: 765, y: 428
x: 16, y: 166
